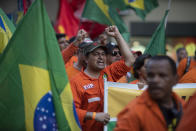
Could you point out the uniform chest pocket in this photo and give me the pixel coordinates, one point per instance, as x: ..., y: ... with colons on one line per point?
x: 92, y: 96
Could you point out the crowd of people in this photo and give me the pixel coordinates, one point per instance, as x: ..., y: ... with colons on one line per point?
x: 88, y: 63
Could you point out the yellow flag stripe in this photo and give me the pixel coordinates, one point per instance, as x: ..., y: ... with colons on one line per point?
x: 104, y: 9
x: 67, y: 102
x: 35, y: 84
x: 137, y: 4
x: 4, y: 36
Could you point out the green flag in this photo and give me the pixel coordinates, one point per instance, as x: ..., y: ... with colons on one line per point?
x: 101, y: 12
x: 156, y: 46
x: 141, y: 7
x: 34, y: 90
x: 7, y: 28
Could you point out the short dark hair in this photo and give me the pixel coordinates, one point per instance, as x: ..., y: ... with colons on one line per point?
x: 179, y: 49
x: 167, y: 58
x: 110, y: 46
x: 139, y: 62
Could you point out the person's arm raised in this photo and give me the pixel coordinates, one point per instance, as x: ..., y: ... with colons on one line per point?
x: 80, y: 37
x: 124, y: 48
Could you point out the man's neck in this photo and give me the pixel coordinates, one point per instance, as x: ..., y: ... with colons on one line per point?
x: 92, y: 73
x: 167, y: 102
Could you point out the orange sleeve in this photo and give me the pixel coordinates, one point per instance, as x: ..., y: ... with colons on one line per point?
x: 181, y: 67
x: 69, y: 52
x: 127, y: 120
x: 118, y: 69
x: 189, y: 77
x: 123, y: 80
x: 78, y: 97
x: 187, y: 122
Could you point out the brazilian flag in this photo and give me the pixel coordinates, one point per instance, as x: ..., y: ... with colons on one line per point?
x: 34, y: 90
x: 102, y: 12
x: 7, y: 28
x: 157, y: 44
x: 141, y: 7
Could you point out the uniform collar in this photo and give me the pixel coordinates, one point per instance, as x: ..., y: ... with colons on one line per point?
x: 87, y: 77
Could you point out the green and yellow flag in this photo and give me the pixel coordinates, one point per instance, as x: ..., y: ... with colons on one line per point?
x: 141, y: 7
x: 7, y: 28
x: 101, y: 12
x: 157, y: 46
x: 34, y: 90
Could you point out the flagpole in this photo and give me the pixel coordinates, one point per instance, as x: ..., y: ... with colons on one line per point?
x: 168, y: 8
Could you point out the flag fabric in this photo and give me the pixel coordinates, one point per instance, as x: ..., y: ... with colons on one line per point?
x: 66, y: 23
x: 114, y: 103
x: 94, y: 29
x: 157, y: 46
x: 34, y: 90
x: 105, y: 14
x: 7, y: 28
x: 23, y: 6
x: 141, y: 7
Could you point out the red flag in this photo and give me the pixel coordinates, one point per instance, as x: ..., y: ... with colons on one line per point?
x: 94, y: 29
x: 67, y: 23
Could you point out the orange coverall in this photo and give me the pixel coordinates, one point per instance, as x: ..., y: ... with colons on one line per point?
x: 72, y: 71
x: 88, y: 93
x: 182, y: 66
x: 187, y: 122
x: 68, y: 53
x: 143, y: 114
x: 189, y: 77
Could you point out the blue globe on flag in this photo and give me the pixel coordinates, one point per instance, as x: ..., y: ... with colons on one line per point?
x: 44, y: 119
x: 131, y: 1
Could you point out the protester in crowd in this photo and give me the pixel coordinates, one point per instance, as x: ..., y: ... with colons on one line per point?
x: 187, y: 122
x: 73, y: 47
x: 139, y: 70
x: 62, y: 41
x: 113, y: 55
x: 130, y: 77
x: 77, y: 66
x: 88, y: 86
x: 185, y: 65
x: 158, y: 107
x: 181, y: 53
x: 103, y: 38
x: 190, y: 76
x: 74, y: 57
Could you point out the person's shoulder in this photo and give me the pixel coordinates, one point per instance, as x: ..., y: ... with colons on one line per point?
x: 78, y: 77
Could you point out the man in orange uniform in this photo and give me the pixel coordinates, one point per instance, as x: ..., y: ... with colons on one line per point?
x: 158, y: 108
x: 113, y: 55
x: 74, y: 69
x: 190, y: 76
x: 184, y: 64
x: 88, y: 85
x: 68, y: 52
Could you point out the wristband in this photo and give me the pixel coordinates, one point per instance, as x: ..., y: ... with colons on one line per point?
x: 94, y: 114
